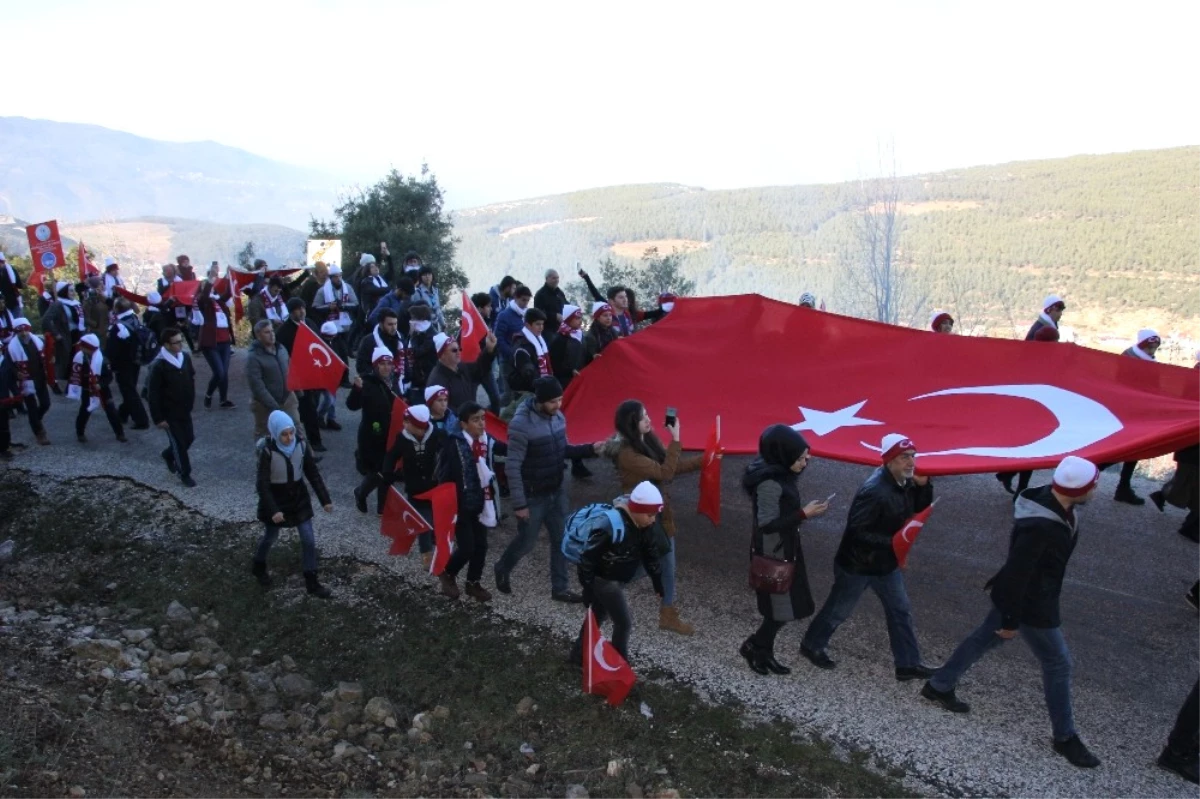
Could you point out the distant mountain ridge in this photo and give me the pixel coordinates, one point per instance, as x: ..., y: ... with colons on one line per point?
x: 74, y: 172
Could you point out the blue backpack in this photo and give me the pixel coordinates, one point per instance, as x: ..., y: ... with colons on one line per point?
x: 583, y: 522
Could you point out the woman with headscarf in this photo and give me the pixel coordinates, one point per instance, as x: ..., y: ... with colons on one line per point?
x: 284, y: 463
x: 640, y: 456
x: 772, y: 481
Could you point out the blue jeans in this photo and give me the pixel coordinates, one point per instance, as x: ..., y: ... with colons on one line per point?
x: 843, y: 597
x: 667, y: 564
x: 308, y: 544
x: 218, y: 361
x: 1049, y: 647
x: 550, y: 510
x: 327, y: 406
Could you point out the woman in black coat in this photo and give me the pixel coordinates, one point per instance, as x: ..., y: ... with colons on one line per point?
x: 772, y: 481
x: 284, y: 463
x: 373, y: 395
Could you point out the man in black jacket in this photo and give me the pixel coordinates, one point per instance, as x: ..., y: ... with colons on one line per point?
x: 462, y: 380
x: 1025, y: 594
x: 865, y: 559
x: 10, y: 287
x: 171, y: 391
x: 124, y: 353
x: 307, y: 399
x: 550, y: 300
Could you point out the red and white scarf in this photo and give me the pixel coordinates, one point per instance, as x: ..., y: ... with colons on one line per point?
x: 566, y: 330
x: 16, y: 351
x: 276, y: 310
x: 399, y: 357
x: 95, y: 367
x: 541, y: 350
x: 479, y: 450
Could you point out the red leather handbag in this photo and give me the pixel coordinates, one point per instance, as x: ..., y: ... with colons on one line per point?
x: 770, y: 575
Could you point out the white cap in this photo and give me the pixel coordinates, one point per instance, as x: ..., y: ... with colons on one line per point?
x: 21, y: 322
x: 439, y: 342
x: 936, y: 317
x: 645, y: 498
x: 432, y: 392
x: 334, y: 269
x: 1075, y: 476
x: 62, y: 284
x: 329, y: 329
x: 1145, y: 334
x: 894, y: 444
x: 366, y: 258
x: 154, y: 298
x: 601, y: 307
x: 110, y: 261
x: 1051, y: 301
x: 571, y: 310
x: 418, y: 413
x: 91, y: 340
x: 379, y: 353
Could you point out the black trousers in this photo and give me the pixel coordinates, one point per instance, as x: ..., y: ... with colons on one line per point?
x: 307, y: 405
x: 471, y: 546
x: 1023, y: 479
x: 1183, y: 738
x: 764, y: 636
x: 5, y: 431
x: 37, y: 405
x: 110, y: 411
x: 607, y: 600
x: 180, y: 436
x: 373, y: 482
x: 131, y: 406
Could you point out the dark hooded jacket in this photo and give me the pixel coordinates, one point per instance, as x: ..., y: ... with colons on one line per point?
x: 618, y: 561
x: 375, y: 400
x: 281, y: 486
x: 1027, y: 588
x: 777, y: 513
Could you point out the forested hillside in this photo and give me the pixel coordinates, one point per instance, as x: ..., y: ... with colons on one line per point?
x: 1113, y: 233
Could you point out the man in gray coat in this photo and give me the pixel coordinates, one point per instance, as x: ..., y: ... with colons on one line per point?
x: 266, y: 372
x: 537, y: 454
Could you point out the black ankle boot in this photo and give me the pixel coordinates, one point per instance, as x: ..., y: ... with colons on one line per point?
x: 314, y: 587
x: 774, y: 665
x: 259, y: 570
x: 754, y: 657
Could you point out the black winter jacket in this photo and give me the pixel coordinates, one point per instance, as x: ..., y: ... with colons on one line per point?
x: 456, y: 464
x: 417, y: 461
x: 596, y: 339
x: 464, y: 383
x: 1027, y: 587
x: 618, y: 561
x: 879, y: 510
x: 525, y: 367
x: 124, y: 353
x: 566, y: 358
x: 375, y: 400
x: 538, y: 451
x: 366, y: 348
x: 171, y: 392
x: 281, y: 486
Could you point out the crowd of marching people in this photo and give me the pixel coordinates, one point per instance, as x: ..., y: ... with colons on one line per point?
x: 422, y: 425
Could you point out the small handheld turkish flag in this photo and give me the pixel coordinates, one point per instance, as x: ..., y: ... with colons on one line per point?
x: 401, y: 522
x: 472, y: 331
x: 396, y: 424
x: 710, y: 476
x: 906, y: 536
x: 314, y: 364
x: 496, y: 427
x: 445, y: 516
x: 605, y: 672
x: 184, y: 291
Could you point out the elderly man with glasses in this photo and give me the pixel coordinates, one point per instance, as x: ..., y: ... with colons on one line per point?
x: 171, y: 391
x: 461, y: 380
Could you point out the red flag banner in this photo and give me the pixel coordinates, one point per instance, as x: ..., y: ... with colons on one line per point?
x: 710, y: 476
x: 129, y: 295
x: 445, y: 516
x: 184, y: 291
x: 401, y: 522
x: 496, y: 427
x: 45, y: 246
x: 473, y: 330
x: 396, y: 424
x: 906, y: 536
x: 605, y: 672
x: 972, y: 405
x: 86, y: 268
x: 314, y: 364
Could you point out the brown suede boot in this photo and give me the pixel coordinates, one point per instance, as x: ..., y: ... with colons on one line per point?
x: 477, y: 591
x: 668, y: 619
x: 449, y: 585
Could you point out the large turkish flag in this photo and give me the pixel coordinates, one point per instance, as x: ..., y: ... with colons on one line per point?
x: 969, y: 404
x: 314, y: 364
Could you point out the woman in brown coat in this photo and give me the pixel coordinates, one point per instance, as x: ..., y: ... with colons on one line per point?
x: 639, y: 455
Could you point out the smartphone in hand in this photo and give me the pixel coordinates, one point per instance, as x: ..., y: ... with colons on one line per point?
x: 672, y: 414
x: 829, y: 498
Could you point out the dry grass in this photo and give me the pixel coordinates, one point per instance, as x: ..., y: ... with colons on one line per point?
x: 635, y: 249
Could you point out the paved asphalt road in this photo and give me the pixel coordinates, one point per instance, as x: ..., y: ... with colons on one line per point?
x: 1133, y: 639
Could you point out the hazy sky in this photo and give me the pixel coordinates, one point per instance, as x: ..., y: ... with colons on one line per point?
x: 509, y: 100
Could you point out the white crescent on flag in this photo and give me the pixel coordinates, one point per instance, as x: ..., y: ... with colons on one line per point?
x: 598, y: 654
x: 316, y: 347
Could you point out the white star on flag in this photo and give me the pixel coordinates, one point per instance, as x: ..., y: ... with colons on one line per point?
x: 825, y: 422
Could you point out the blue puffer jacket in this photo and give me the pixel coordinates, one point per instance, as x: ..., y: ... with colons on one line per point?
x: 508, y: 324
x: 538, y: 452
